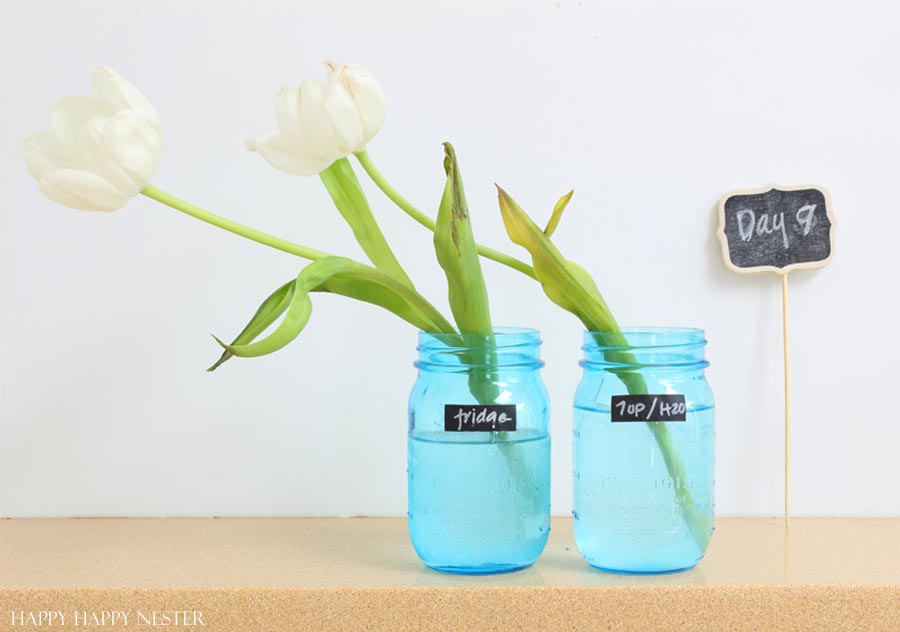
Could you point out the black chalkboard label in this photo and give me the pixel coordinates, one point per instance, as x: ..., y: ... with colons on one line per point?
x: 648, y: 408
x: 469, y: 418
x: 776, y: 229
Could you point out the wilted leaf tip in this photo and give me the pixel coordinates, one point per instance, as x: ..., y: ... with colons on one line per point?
x: 558, y: 209
x: 226, y: 355
x: 449, y: 157
x: 503, y: 196
x: 458, y: 206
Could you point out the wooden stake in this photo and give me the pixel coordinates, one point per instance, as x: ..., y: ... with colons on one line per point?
x: 787, y: 403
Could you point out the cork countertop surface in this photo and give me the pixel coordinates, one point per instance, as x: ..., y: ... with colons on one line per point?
x: 362, y: 573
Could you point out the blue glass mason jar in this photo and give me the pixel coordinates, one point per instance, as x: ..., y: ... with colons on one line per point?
x: 644, y: 442
x: 479, y: 452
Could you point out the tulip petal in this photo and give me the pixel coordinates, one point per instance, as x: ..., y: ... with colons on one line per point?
x: 103, y: 149
x: 343, y: 114
x: 98, y: 157
x: 108, y: 86
x: 43, y: 154
x: 287, y: 111
x: 302, y: 117
x: 321, y: 123
x: 367, y: 95
x: 315, y: 128
x: 82, y: 190
x: 69, y: 119
x: 288, y: 156
x: 134, y: 144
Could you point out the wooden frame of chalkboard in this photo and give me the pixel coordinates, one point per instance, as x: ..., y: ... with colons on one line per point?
x: 723, y: 238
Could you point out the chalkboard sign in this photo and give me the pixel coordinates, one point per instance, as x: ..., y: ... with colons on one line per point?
x: 489, y: 418
x: 776, y: 229
x: 648, y: 408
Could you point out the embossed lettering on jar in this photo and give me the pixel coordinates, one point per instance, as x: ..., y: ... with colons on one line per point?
x: 479, y: 452
x: 644, y: 443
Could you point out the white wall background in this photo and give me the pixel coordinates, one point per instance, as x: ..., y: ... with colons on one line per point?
x: 650, y: 110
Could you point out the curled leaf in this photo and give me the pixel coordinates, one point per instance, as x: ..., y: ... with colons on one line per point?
x: 267, y: 313
x: 337, y: 275
x: 295, y: 317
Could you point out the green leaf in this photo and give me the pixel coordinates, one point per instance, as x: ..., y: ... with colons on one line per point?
x: 557, y: 213
x: 295, y: 317
x: 572, y: 288
x: 392, y: 295
x: 454, y: 244
x: 566, y: 283
x: 268, y: 313
x: 337, y: 275
x: 343, y: 186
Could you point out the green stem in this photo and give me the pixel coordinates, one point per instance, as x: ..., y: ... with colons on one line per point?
x: 407, y: 207
x: 231, y: 226
x: 697, y: 521
x: 430, y: 316
x: 343, y: 186
x: 483, y: 384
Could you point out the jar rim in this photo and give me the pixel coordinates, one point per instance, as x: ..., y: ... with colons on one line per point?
x: 639, y: 337
x: 503, y: 338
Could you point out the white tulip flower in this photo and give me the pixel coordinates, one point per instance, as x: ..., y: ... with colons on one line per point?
x: 320, y: 123
x: 103, y: 149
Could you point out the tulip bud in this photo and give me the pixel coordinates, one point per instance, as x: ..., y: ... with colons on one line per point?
x: 103, y: 149
x: 321, y: 123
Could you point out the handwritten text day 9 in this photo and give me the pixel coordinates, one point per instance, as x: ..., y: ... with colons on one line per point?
x: 752, y: 224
